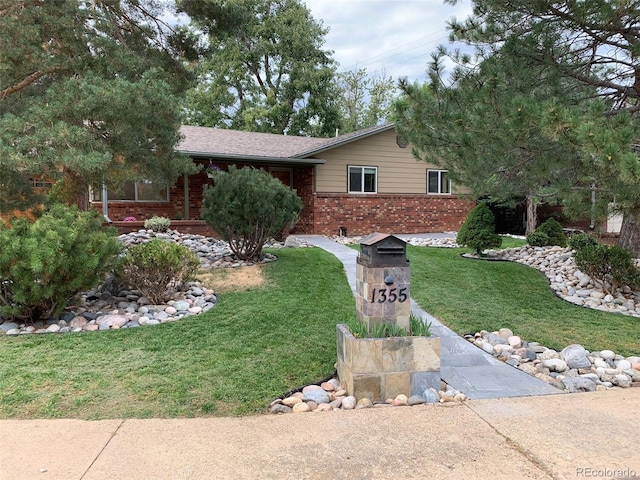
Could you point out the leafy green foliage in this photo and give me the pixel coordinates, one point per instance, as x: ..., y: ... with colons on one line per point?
x: 157, y: 224
x: 45, y: 264
x: 268, y: 73
x: 611, y: 266
x: 248, y: 206
x: 538, y: 239
x: 553, y: 231
x: 581, y: 240
x: 158, y: 269
x: 478, y: 230
x: 363, y: 101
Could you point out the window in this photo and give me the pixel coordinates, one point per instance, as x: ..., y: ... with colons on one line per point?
x: 438, y: 181
x: 363, y: 179
x: 144, y: 191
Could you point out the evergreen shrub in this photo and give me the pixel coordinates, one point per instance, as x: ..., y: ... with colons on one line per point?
x: 553, y: 230
x: 247, y: 207
x: 157, y: 268
x: 611, y: 266
x: 478, y: 230
x: 157, y: 224
x: 44, y: 264
x: 580, y: 241
x: 538, y: 239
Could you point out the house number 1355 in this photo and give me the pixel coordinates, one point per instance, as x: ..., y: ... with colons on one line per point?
x: 390, y: 295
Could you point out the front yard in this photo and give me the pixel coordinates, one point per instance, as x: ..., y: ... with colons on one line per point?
x: 259, y: 343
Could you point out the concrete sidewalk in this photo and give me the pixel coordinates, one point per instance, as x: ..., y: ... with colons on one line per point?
x: 464, y: 366
x: 586, y: 435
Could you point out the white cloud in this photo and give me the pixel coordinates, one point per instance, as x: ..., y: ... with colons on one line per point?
x: 394, y: 37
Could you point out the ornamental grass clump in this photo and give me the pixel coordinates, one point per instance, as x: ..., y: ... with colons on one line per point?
x: 478, y: 230
x: 158, y: 269
x: 44, y: 264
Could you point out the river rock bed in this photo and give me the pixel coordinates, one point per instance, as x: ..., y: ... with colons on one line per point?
x: 573, y: 369
x: 106, y: 308
x: 330, y: 396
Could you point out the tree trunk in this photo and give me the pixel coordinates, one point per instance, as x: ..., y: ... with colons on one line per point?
x: 75, y: 191
x: 630, y: 234
x: 532, y: 215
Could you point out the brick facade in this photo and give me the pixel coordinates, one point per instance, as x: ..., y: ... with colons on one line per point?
x: 322, y: 213
x: 397, y: 213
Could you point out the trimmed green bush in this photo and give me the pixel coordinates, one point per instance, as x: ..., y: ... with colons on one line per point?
x: 158, y: 269
x: 538, y: 239
x: 44, y: 264
x: 247, y: 206
x: 157, y: 224
x: 611, y: 266
x: 478, y: 230
x: 553, y: 230
x: 580, y: 241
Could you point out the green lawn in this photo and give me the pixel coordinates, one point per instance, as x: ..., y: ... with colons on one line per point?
x: 471, y: 295
x: 255, y: 345
x: 252, y: 347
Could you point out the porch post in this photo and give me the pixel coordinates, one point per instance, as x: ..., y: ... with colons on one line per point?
x: 186, y: 196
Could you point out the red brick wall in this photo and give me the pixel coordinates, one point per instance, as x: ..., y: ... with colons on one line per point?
x: 303, y: 183
x: 396, y: 213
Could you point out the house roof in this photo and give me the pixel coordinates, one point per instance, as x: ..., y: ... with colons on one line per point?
x: 206, y: 142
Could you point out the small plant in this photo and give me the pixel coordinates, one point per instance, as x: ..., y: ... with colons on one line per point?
x: 358, y: 329
x: 610, y: 266
x: 478, y: 230
x: 157, y: 224
x: 130, y: 219
x: 553, y: 230
x: 394, y: 330
x: 158, y: 269
x: 419, y: 327
x: 378, y: 331
x: 581, y: 240
x: 538, y: 239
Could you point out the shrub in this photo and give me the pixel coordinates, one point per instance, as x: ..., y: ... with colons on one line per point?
x: 157, y: 268
x: 553, y: 230
x: 246, y: 207
x: 611, y: 266
x: 157, y: 224
x: 478, y: 230
x: 581, y: 240
x: 46, y: 263
x: 538, y: 239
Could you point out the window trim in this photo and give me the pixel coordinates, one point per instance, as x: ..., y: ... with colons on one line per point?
x: 439, y: 172
x: 96, y: 196
x: 362, y: 181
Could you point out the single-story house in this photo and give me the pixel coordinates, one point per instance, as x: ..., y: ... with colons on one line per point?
x: 351, y: 184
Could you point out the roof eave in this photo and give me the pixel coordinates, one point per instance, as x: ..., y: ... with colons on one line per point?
x: 255, y: 159
x: 324, y: 148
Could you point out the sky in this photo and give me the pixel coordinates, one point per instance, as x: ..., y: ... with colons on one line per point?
x: 387, y: 37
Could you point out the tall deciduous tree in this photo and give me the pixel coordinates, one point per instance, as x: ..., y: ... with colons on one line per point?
x: 268, y: 73
x: 88, y: 91
x: 593, y: 42
x: 364, y: 101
